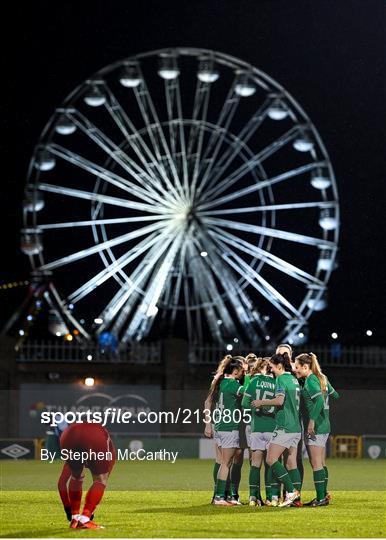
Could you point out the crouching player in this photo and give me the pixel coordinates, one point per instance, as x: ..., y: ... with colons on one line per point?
x: 94, y: 441
x: 316, y: 393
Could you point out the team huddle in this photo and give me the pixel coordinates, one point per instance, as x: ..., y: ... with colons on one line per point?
x: 279, y: 400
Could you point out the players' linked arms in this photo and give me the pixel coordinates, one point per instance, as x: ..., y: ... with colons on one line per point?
x: 276, y: 401
x: 246, y: 401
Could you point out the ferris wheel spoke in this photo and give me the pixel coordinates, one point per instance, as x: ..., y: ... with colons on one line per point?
x: 122, y: 303
x: 236, y: 296
x: 176, y: 128
x: 117, y: 154
x: 104, y: 174
x: 202, y: 268
x: 270, y: 207
x: 150, y: 116
x: 112, y: 269
x: 273, y: 233
x: 241, y: 140
x: 111, y: 221
x: 196, y: 132
x: 175, y: 295
x: 145, y: 313
x: 96, y: 197
x: 218, y: 135
x: 251, y: 164
x: 103, y: 245
x: 260, y: 185
x: 261, y: 285
x: 272, y: 260
x: 139, y: 146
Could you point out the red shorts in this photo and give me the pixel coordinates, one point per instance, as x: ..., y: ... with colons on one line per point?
x: 93, y: 439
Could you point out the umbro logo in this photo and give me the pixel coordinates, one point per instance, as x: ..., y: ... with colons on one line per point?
x: 15, y: 451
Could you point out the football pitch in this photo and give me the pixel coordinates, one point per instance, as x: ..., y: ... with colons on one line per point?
x: 160, y: 499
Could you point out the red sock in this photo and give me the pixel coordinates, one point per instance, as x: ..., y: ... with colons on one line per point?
x: 93, y: 498
x: 75, y: 494
x: 62, y: 485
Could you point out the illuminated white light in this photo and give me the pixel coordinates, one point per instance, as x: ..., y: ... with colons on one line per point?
x: 245, y: 89
x: 320, y: 180
x: 327, y: 220
x: 98, y: 320
x: 21, y: 332
x: 325, y: 264
x: 65, y: 127
x: 130, y: 76
x: 206, y: 72
x: 45, y: 161
x: 70, y: 306
x: 235, y: 340
x: 89, y: 357
x: 303, y: 144
x: 89, y: 381
x: 267, y: 338
x: 369, y: 333
x: 219, y: 322
x: 204, y: 254
x: 152, y: 311
x: 29, y: 317
x: 168, y: 68
x: 229, y: 347
x: 301, y: 335
x: 334, y: 335
x: 277, y: 111
x: 94, y: 97
x: 58, y: 334
x: 208, y: 76
x: 317, y: 305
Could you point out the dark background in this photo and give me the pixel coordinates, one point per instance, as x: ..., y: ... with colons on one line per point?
x: 330, y: 55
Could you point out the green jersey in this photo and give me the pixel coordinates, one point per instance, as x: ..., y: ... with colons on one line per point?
x: 317, y: 406
x: 227, y: 412
x: 287, y: 415
x: 260, y: 387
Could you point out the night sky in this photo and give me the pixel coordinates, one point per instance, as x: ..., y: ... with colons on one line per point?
x: 330, y: 55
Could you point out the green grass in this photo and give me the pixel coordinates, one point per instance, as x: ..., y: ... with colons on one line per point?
x: 133, y: 506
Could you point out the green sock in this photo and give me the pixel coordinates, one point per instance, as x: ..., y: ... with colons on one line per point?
x: 282, y: 475
x: 275, y: 488
x: 326, y: 478
x: 216, y: 467
x: 296, y: 479
x: 254, y: 482
x: 235, y: 478
x: 320, y: 484
x: 220, y: 488
x: 267, y: 482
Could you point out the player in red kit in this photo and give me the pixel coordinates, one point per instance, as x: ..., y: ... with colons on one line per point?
x: 85, y: 445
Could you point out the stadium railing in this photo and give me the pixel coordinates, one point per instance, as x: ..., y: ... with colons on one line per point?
x: 329, y: 355
x: 59, y: 351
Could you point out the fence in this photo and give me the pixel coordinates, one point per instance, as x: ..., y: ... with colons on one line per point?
x: 60, y: 351
x: 329, y: 355
x: 332, y: 355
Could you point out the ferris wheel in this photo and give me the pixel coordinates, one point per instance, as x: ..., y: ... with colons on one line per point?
x: 182, y: 188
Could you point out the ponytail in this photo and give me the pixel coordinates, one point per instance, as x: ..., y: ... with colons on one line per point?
x: 311, y: 360
x: 225, y: 367
x: 283, y: 359
x: 258, y: 366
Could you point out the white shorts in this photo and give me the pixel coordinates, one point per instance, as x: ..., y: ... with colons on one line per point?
x: 288, y: 440
x: 260, y: 441
x: 319, y: 440
x: 248, y: 434
x: 227, y: 439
